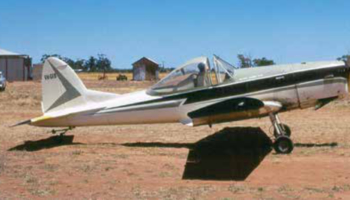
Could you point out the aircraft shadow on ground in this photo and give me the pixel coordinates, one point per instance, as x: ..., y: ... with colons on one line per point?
x: 47, y: 143
x: 159, y: 145
x: 333, y: 144
x: 230, y: 154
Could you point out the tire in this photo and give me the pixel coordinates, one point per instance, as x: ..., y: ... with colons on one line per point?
x: 286, y: 129
x: 283, y: 145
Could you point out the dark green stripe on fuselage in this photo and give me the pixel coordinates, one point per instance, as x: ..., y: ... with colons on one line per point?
x: 233, y: 89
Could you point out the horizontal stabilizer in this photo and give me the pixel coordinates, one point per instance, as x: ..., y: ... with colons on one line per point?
x: 22, y: 123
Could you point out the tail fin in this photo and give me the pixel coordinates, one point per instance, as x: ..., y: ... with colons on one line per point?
x: 61, y: 87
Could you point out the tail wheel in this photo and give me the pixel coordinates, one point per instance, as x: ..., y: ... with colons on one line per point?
x: 286, y: 129
x: 283, y: 145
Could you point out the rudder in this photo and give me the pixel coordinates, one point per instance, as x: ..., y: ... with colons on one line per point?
x: 61, y: 87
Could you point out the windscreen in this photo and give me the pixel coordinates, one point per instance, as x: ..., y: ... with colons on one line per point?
x: 224, y: 70
x: 193, y: 74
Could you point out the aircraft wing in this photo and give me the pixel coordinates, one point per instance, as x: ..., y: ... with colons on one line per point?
x: 231, y: 110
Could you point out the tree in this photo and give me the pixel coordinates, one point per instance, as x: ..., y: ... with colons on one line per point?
x: 80, y: 64
x: 90, y: 64
x: 345, y: 58
x: 262, y: 62
x: 103, y: 63
x: 247, y: 61
x: 244, y: 61
x: 46, y: 56
x: 70, y: 62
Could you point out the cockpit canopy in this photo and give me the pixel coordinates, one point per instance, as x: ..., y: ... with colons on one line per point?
x: 224, y: 71
x: 195, y: 74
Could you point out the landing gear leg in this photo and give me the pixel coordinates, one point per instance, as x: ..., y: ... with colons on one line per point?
x: 61, y: 133
x: 283, y: 144
x: 285, y: 128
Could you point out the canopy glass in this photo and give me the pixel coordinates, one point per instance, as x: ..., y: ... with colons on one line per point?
x: 195, y: 74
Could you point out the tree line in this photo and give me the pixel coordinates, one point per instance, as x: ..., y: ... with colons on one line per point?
x: 102, y: 64
x: 248, y: 61
x: 93, y: 64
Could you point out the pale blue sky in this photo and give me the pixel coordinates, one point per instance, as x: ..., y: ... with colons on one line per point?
x: 175, y: 31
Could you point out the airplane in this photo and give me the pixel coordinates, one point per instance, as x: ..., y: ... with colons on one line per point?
x: 194, y: 94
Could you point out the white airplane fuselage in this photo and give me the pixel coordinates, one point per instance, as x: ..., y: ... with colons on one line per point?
x: 296, y: 88
x: 191, y: 95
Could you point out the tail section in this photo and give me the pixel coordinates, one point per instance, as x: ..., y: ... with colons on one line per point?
x: 61, y: 87
x: 63, y: 94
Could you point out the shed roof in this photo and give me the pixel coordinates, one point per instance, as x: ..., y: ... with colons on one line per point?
x: 146, y: 61
x: 4, y: 52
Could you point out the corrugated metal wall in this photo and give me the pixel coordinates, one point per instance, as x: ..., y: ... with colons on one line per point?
x: 139, y: 73
x: 2, y: 66
x: 13, y: 68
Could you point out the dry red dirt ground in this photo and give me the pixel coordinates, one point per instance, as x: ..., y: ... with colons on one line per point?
x: 150, y: 161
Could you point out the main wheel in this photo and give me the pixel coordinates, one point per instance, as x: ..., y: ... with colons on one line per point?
x: 286, y: 130
x: 283, y: 145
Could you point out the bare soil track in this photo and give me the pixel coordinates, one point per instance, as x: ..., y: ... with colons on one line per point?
x: 171, y: 161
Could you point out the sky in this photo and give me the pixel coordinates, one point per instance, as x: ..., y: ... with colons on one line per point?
x: 173, y: 32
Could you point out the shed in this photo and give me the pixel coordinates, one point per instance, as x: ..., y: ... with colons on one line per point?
x: 145, y: 69
x: 14, y: 66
